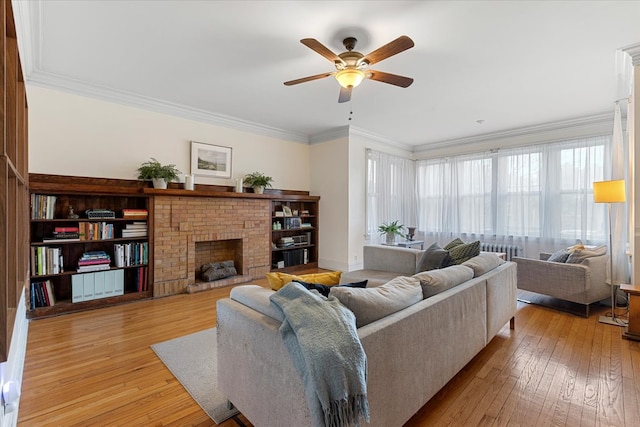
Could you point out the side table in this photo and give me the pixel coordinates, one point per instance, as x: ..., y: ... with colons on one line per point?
x: 632, y: 331
x: 411, y: 244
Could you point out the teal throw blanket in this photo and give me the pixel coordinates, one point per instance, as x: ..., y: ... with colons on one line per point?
x: 320, y: 335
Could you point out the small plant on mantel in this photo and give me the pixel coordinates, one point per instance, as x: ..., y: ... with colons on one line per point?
x: 160, y: 174
x: 258, y: 181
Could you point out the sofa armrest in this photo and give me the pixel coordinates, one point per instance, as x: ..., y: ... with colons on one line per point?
x: 565, y: 281
x: 390, y: 258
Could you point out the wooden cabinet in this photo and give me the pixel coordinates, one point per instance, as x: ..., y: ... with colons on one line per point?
x: 14, y: 180
x: 294, y: 233
x: 100, y: 258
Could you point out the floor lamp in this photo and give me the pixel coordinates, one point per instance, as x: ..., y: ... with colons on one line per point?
x: 610, y: 192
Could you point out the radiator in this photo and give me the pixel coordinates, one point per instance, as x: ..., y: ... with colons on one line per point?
x: 510, y: 250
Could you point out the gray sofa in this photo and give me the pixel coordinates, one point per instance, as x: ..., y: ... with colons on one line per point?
x: 382, y: 263
x: 583, y: 283
x: 411, y: 354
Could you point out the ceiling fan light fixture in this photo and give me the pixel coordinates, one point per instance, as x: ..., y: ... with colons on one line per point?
x: 350, y: 77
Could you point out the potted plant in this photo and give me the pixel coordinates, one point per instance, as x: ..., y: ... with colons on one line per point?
x: 391, y: 230
x: 160, y: 174
x: 258, y: 181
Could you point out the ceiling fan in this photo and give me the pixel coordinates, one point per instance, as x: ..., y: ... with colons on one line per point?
x: 352, y: 66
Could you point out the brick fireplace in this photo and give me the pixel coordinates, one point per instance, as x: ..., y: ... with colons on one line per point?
x: 192, y: 230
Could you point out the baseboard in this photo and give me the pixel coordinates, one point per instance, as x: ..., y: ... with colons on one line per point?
x: 13, y: 368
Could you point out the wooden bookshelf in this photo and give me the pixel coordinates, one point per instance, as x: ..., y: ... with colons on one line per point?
x: 100, y: 234
x: 294, y: 233
x: 14, y: 180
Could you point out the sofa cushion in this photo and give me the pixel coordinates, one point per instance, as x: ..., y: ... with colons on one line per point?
x: 452, y: 244
x: 371, y: 304
x: 578, y: 256
x: 435, y: 281
x: 559, y: 256
x: 464, y: 252
x: 277, y: 280
x: 433, y: 257
x: 324, y: 289
x: 483, y: 263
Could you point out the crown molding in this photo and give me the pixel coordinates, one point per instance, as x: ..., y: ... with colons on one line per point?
x: 78, y: 87
x: 27, y: 16
x: 377, y: 138
x: 546, y: 132
x: 330, y: 135
x: 634, y: 52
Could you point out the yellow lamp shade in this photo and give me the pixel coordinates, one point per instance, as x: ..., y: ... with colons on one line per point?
x: 349, y: 77
x: 609, y: 191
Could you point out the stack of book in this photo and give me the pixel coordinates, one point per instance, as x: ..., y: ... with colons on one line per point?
x: 42, y: 206
x: 126, y: 254
x: 94, y: 261
x: 46, y: 260
x: 135, y: 229
x: 135, y: 213
x: 42, y: 294
x: 95, y: 230
x: 64, y: 234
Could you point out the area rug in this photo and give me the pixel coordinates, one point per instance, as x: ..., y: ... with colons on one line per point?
x: 192, y: 359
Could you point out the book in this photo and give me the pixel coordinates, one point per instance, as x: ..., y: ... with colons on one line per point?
x: 66, y: 230
x: 135, y: 213
x: 50, y: 293
x: 142, y: 233
x: 90, y: 268
x: 136, y: 226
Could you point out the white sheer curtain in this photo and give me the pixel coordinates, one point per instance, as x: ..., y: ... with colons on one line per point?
x: 454, y: 197
x: 539, y: 198
x: 619, y: 223
x: 391, y: 192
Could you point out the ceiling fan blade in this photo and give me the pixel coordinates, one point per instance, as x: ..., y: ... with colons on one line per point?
x: 392, y: 79
x: 322, y: 50
x: 345, y: 94
x: 307, y: 79
x: 400, y: 44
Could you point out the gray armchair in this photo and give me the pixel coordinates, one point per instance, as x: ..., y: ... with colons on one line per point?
x: 583, y: 283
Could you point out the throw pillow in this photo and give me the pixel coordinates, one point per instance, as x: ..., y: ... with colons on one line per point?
x: 577, y: 257
x: 277, y: 280
x: 559, y: 256
x: 464, y: 252
x: 433, y: 257
x: 452, y: 244
x: 371, y: 304
x: 435, y: 281
x: 576, y: 247
x: 324, y: 289
x: 483, y: 263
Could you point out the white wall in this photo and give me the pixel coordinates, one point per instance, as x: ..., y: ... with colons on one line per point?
x: 330, y: 180
x: 81, y: 136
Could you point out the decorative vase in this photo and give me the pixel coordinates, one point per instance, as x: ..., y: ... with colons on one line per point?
x: 160, y: 183
x: 390, y: 238
x: 258, y: 189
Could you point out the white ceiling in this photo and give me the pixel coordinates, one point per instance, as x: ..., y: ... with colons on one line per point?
x: 510, y: 63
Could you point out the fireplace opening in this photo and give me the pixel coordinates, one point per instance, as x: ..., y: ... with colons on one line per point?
x: 219, y: 258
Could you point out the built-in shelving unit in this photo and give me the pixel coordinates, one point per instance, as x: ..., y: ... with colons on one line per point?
x: 14, y: 180
x: 294, y: 233
x: 74, y: 260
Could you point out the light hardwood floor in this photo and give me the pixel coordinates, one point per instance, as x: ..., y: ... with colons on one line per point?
x: 97, y: 368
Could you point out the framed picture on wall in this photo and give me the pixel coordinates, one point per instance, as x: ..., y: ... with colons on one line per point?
x: 210, y: 160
